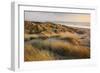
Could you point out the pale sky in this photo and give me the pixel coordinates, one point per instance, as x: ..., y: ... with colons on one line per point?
x: 54, y: 16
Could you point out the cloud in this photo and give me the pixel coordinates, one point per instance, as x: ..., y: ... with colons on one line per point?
x: 56, y: 16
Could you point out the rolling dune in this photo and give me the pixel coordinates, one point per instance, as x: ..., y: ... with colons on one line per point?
x: 50, y: 41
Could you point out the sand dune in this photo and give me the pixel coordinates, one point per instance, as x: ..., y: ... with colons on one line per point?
x: 50, y: 41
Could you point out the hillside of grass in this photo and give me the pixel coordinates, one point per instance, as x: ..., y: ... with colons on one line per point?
x: 50, y: 41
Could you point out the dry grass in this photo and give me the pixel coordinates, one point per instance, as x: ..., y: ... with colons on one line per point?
x: 71, y: 50
x: 65, y: 49
x: 34, y: 54
x: 68, y: 47
x: 67, y: 43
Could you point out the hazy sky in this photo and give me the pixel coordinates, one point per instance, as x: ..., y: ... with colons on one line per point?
x: 54, y: 16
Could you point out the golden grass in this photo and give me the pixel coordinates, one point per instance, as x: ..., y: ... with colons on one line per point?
x: 45, y: 50
x: 34, y: 54
x: 72, y: 50
x: 67, y: 44
x: 68, y: 49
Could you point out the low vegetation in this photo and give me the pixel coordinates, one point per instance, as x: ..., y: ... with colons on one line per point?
x: 49, y: 41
